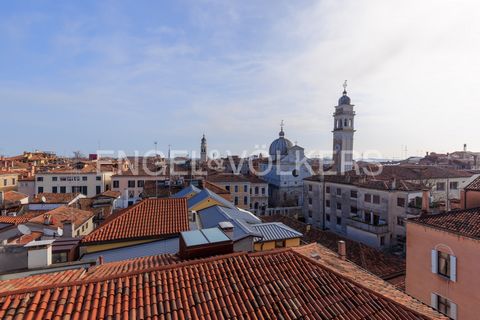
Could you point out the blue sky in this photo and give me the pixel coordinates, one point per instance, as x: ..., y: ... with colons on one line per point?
x: 123, y: 74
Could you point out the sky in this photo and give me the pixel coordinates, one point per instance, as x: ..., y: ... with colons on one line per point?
x: 120, y: 75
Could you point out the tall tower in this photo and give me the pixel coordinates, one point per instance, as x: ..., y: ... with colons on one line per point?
x: 203, y: 149
x: 343, y: 130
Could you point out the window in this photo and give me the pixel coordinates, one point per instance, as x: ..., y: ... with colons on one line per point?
x: 280, y: 244
x: 140, y: 183
x: 98, y: 189
x: 59, y: 257
x: 245, y: 200
x: 63, y: 189
x: 353, y: 210
x: 328, y: 217
x: 256, y: 190
x: 400, y: 221
x: 13, y: 180
x: 444, y: 264
x: 339, y: 191
x: 236, y: 188
x: 98, y: 178
x: 227, y: 188
x: 401, y: 202
x: 245, y: 188
x: 376, y: 199
x: 310, y: 214
x: 40, y: 189
x: 339, y: 220
x: 131, y: 183
x: 327, y: 189
x: 382, y: 240
x: 454, y: 185
x: 115, y: 183
x: 445, y: 306
x: 353, y: 194
x: 39, y: 178
x: 236, y: 201
x: 327, y: 203
x: 440, y: 186
x: 5, y: 182
x: 84, y: 178
x: 339, y: 206
x: 263, y: 190
x: 310, y: 201
x: 54, y: 189
x: 54, y: 178
x: 367, y: 197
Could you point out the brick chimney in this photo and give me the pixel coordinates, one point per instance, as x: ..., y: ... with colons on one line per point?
x: 68, y: 228
x: 100, y: 260
x: 342, y: 249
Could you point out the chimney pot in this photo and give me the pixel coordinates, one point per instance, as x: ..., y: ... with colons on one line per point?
x: 342, y: 249
x: 100, y: 260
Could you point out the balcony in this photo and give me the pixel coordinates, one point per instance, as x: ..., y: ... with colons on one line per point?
x: 358, y: 223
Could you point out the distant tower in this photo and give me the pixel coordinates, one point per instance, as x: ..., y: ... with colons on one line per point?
x: 343, y: 130
x: 203, y: 149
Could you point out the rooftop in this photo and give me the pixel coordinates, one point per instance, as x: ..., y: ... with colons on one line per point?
x: 474, y: 185
x: 280, y: 283
x: 381, y: 264
x: 462, y: 222
x: 150, y: 218
x: 55, y: 197
x: 60, y: 214
x: 274, y: 231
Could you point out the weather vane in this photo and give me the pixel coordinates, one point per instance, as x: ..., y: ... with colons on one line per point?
x: 281, y: 125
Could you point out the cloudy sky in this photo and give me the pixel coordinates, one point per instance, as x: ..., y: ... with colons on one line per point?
x: 122, y: 74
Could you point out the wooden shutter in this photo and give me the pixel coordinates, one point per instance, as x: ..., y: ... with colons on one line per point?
x: 453, y: 268
x: 434, y: 261
x: 453, y: 311
x: 434, y: 300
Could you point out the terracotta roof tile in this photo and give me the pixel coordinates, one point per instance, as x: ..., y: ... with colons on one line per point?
x: 55, y: 197
x: 12, y: 196
x: 277, y: 284
x: 383, y: 265
x: 151, y: 218
x: 60, y: 214
x: 462, y: 222
x: 22, y: 218
x: 474, y: 185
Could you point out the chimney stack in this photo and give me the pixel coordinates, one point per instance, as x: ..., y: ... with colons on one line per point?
x: 39, y: 253
x: 342, y: 249
x: 68, y: 228
x: 227, y: 228
x: 425, y: 201
x: 47, y: 219
x: 100, y: 260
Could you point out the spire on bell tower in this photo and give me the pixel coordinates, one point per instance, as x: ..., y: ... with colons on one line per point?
x: 203, y: 148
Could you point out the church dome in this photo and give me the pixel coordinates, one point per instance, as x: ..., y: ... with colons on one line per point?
x: 280, y: 146
x: 344, y: 99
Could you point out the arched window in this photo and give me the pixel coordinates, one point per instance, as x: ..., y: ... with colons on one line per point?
x: 345, y: 123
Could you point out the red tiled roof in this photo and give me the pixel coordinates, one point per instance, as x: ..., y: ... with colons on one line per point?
x: 110, y: 194
x: 276, y: 284
x: 381, y: 264
x: 151, y: 218
x: 55, y: 197
x: 226, y: 177
x: 13, y: 196
x: 21, y: 219
x: 60, y: 214
x: 474, y: 185
x: 462, y: 222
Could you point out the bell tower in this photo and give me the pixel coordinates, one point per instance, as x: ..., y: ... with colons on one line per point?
x: 343, y: 130
x: 203, y: 149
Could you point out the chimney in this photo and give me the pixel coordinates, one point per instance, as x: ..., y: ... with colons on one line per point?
x: 227, y: 228
x: 68, y: 228
x: 342, y: 249
x: 425, y: 201
x: 100, y: 260
x: 39, y: 253
x: 308, y: 228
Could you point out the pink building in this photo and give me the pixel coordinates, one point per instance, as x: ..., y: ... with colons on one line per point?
x: 443, y: 256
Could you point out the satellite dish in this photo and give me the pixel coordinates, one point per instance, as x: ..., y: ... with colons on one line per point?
x: 24, y: 229
x: 44, y: 199
x: 60, y: 231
